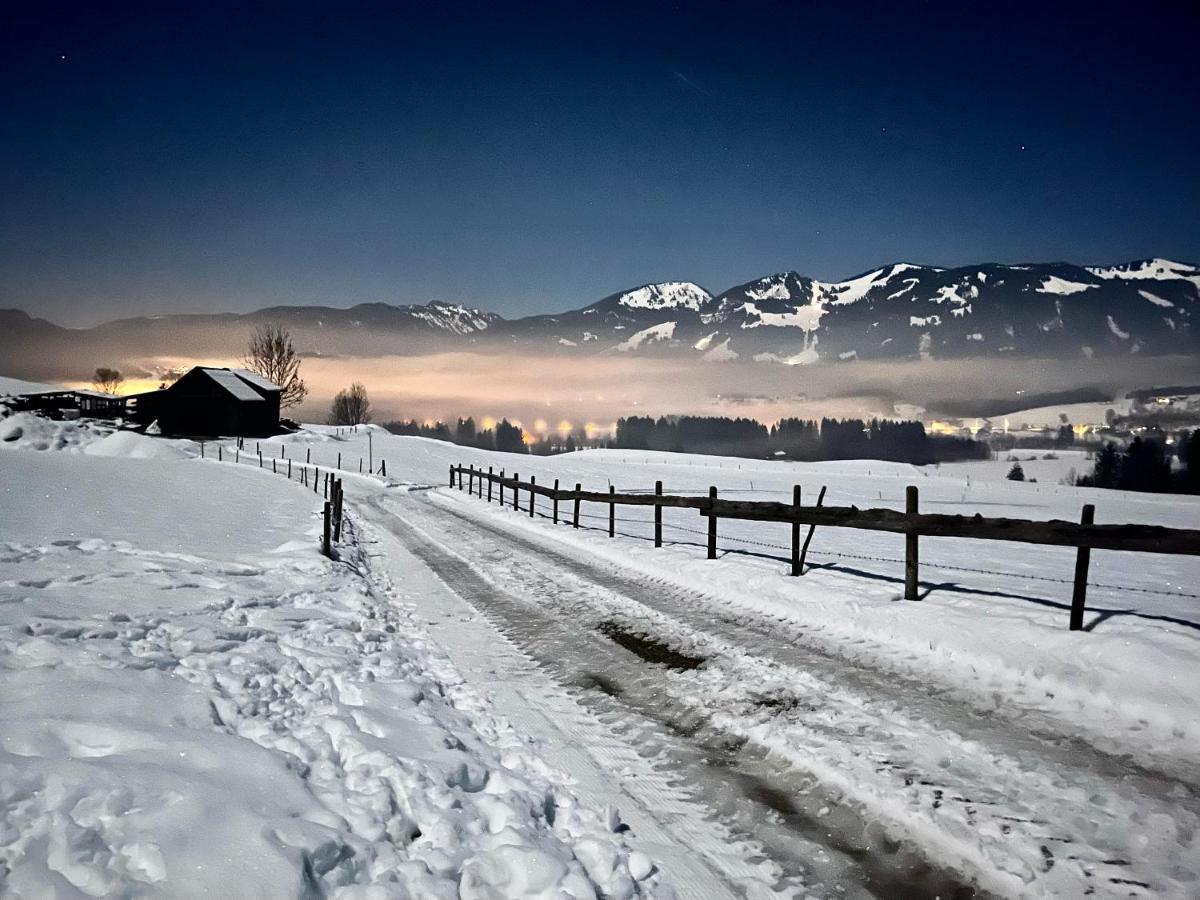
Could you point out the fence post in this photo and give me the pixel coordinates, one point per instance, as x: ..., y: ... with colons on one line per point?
x: 471, y: 480
x: 910, y: 546
x: 452, y: 476
x: 337, y: 513
x: 1083, y: 558
x: 220, y: 454
x: 657, y: 515
x: 289, y: 470
x: 202, y: 449
x: 383, y: 469
x: 325, y: 544
x: 796, y: 569
x: 516, y: 490
x: 260, y: 462
x: 532, y: 493
x: 308, y: 455
x: 274, y: 471
x: 501, y: 489
x: 612, y: 512
x: 316, y: 478
x: 575, y: 521
x: 712, y: 524
x: 360, y: 465
x: 282, y: 449
x: 339, y: 465
x: 811, y: 530
x: 555, y: 501
x: 237, y: 455
x: 489, y: 500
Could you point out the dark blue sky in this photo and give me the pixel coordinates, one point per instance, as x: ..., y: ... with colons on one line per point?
x: 535, y: 158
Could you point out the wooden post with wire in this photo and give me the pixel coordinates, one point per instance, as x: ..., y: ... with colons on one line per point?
x: 532, y: 493
x: 712, y: 525
x: 516, y: 490
x: 910, y: 546
x: 555, y: 516
x: 612, y: 513
x: 489, y: 499
x: 1083, y: 558
x: 326, y: 544
x: 575, y: 517
x: 797, y: 569
x: 658, y: 489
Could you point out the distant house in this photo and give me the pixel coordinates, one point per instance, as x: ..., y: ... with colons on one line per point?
x: 70, y: 404
x: 209, y: 401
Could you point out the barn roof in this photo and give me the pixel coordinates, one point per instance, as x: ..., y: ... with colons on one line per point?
x: 255, y: 379
x: 233, y: 384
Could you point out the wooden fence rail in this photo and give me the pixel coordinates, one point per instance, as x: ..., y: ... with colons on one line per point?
x: 1083, y: 535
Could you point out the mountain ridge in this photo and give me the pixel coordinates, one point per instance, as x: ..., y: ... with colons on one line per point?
x: 896, y: 311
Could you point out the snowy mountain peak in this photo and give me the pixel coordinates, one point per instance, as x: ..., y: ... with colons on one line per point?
x: 454, y: 317
x: 666, y: 295
x: 1151, y: 270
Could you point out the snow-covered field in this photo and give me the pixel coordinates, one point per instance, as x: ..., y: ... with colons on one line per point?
x: 195, y: 702
x: 462, y: 704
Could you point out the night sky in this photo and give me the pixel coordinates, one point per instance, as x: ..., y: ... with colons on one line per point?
x: 535, y: 158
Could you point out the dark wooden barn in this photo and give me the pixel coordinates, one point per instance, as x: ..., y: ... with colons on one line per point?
x: 211, y: 402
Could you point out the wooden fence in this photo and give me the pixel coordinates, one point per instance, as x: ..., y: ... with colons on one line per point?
x: 1084, y: 535
x: 325, y: 483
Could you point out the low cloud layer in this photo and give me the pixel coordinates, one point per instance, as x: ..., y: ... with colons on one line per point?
x: 602, y: 388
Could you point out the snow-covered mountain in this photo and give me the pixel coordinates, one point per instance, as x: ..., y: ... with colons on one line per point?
x: 899, y: 311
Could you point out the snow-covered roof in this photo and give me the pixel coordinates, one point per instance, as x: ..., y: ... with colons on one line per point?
x: 75, y: 392
x: 255, y: 379
x: 233, y: 383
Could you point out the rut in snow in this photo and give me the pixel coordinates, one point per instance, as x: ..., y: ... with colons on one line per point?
x: 974, y: 790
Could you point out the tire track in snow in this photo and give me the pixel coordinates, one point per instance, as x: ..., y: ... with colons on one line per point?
x: 975, y: 780
x: 819, y: 846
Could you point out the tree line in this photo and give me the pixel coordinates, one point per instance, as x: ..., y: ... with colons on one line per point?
x: 800, y: 439
x: 1145, y: 465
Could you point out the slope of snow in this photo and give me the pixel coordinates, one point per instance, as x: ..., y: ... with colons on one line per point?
x: 1150, y: 270
x: 722, y: 352
x: 806, y: 318
x: 664, y: 331
x: 772, y: 287
x: 1055, y: 285
x: 15, y: 386
x: 667, y: 295
x: 1156, y: 300
x: 841, y: 292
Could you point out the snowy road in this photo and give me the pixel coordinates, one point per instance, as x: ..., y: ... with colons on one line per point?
x: 809, y: 771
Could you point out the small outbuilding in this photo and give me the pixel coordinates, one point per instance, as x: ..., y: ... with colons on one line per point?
x: 208, y: 401
x: 71, y: 404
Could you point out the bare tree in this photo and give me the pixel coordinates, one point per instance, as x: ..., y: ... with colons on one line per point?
x: 107, y: 380
x: 351, y: 407
x: 271, y: 354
